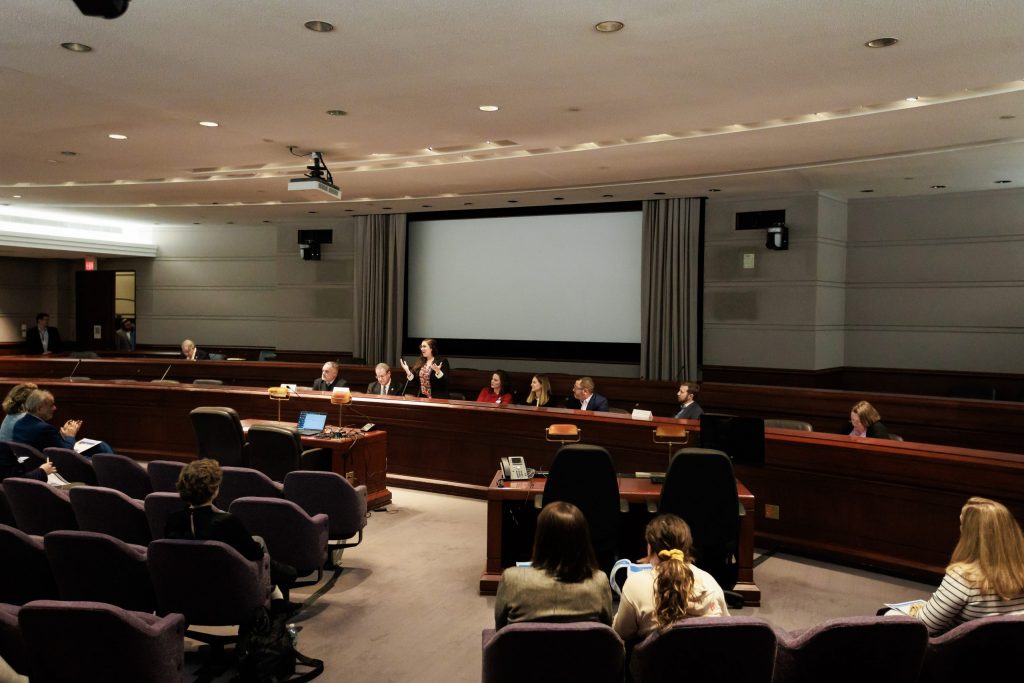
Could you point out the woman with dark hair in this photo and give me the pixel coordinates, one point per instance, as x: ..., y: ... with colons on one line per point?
x: 564, y: 582
x: 673, y: 590
x: 429, y: 376
x: 985, y: 575
x: 499, y: 391
x: 865, y: 421
x: 540, y: 392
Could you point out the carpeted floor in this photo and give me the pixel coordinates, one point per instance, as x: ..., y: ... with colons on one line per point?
x: 406, y: 606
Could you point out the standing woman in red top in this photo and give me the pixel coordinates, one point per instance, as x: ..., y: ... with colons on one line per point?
x: 429, y: 376
x: 499, y: 392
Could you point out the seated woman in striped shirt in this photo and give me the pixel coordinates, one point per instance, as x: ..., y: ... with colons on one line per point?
x: 986, y: 573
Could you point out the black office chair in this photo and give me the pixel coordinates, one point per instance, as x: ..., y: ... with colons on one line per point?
x: 276, y: 451
x: 700, y: 488
x: 219, y: 435
x: 584, y: 475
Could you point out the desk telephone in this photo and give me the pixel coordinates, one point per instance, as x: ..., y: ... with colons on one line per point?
x: 515, y: 469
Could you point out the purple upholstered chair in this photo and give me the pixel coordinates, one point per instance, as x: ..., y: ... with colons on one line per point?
x: 544, y: 652
x: 160, y: 505
x: 707, y: 650
x: 122, y: 473
x: 98, y: 567
x: 853, y: 650
x: 38, y: 507
x: 240, y: 482
x: 100, y: 642
x: 23, y: 450
x: 331, y: 494
x: 207, y: 581
x: 163, y: 475
x: 12, y: 643
x: 291, y: 535
x: 986, y: 649
x: 71, y: 465
x: 108, y: 511
x: 24, y: 571
x: 6, y: 516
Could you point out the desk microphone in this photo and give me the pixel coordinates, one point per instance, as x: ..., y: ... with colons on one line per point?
x: 73, y: 370
x: 164, y: 376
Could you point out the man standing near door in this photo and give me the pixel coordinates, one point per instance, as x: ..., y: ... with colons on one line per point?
x: 42, y: 339
x: 124, y: 338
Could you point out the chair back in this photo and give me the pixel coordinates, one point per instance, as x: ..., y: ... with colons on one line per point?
x: 23, y: 450
x: 274, y: 450
x: 6, y: 516
x: 543, y: 652
x: 163, y: 475
x: 122, y: 473
x: 207, y: 581
x: 584, y: 475
x: 98, y: 567
x: 977, y: 650
x: 24, y: 572
x: 706, y: 649
x: 39, y: 508
x: 109, y: 511
x: 219, y: 435
x: 852, y: 650
x: 700, y: 488
x: 331, y: 494
x: 798, y: 425
x: 103, y: 643
x: 239, y: 482
x: 158, y: 506
x: 72, y: 466
x: 12, y: 643
x: 291, y: 535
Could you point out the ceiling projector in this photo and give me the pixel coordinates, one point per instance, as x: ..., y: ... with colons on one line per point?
x: 319, y: 178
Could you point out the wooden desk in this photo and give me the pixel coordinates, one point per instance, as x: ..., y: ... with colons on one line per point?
x: 508, y: 543
x: 362, y: 458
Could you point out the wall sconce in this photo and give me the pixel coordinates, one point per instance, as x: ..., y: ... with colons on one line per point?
x: 778, y: 237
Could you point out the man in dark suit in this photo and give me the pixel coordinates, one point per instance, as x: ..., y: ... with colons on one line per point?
x: 124, y: 338
x: 329, y: 378
x: 42, y: 339
x: 584, y: 397
x: 35, y: 429
x: 383, y: 386
x: 190, y: 352
x: 689, y: 409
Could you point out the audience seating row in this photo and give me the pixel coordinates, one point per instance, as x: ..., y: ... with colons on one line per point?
x: 749, y: 650
x: 51, y: 641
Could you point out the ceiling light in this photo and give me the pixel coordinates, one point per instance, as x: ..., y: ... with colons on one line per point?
x: 609, y: 26
x: 16, y: 196
x: 881, y: 42
x: 209, y: 124
x: 337, y: 112
x: 938, y: 187
x: 76, y: 47
x: 117, y: 136
x: 911, y: 99
x: 319, y: 26
x: 488, y: 107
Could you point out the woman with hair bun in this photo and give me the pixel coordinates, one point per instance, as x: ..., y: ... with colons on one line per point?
x: 673, y: 590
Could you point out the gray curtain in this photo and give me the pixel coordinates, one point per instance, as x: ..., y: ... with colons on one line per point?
x: 379, y: 288
x: 670, y: 291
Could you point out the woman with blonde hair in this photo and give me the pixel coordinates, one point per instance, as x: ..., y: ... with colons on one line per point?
x: 540, y: 392
x: 673, y: 590
x: 985, y: 575
x: 14, y: 408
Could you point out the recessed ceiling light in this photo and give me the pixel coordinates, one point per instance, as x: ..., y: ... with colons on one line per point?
x: 319, y: 26
x: 659, y: 194
x: 881, y: 42
x: 607, y: 196
x: 386, y: 208
x: 69, y: 153
x: 867, y: 191
x: 16, y: 196
x: 266, y: 221
x: 609, y: 26
x: 513, y: 201
x: 337, y: 112
x: 938, y: 187
x: 117, y: 136
x: 911, y: 99
x: 467, y: 203
x: 426, y: 206
x: 76, y: 47
x: 311, y: 212
x: 714, y: 189
x: 209, y: 124
x: 488, y: 107
x: 558, y: 199
x: 1003, y: 182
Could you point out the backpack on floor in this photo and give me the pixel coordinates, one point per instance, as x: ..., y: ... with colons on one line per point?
x: 267, y: 654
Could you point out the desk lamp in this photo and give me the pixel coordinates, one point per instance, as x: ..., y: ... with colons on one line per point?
x: 562, y: 433
x: 278, y: 394
x: 673, y: 435
x: 341, y: 396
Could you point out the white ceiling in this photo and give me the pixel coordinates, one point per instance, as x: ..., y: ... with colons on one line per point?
x: 750, y: 97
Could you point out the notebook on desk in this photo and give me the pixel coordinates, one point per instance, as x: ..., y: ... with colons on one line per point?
x: 311, y: 423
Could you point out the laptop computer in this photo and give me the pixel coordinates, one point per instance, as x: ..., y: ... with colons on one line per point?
x: 311, y: 423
